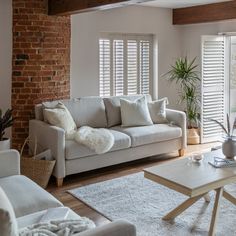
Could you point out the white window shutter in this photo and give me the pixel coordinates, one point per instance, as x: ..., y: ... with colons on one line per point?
x: 118, y: 67
x: 213, y: 87
x: 144, y: 67
x: 104, y: 67
x: 132, y: 67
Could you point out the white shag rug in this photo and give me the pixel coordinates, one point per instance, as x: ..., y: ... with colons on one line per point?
x: 144, y: 203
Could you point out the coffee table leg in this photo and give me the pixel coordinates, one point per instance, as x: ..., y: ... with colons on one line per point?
x: 219, y: 193
x: 229, y: 197
x: 182, y: 207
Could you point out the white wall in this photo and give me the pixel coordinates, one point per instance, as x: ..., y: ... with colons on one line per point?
x: 87, y: 27
x: 5, y: 53
x: 191, y: 35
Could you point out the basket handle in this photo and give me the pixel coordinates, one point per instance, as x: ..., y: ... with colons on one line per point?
x: 27, y: 140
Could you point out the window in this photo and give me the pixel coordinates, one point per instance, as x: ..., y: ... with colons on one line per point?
x: 125, y: 64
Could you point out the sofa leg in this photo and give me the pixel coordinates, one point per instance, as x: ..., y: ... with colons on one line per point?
x: 59, y: 182
x: 181, y: 152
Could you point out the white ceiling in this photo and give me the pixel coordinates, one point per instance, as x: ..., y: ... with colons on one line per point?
x: 179, y: 3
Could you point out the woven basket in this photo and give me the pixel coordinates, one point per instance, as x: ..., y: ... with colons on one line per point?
x: 38, y: 170
x: 193, y: 136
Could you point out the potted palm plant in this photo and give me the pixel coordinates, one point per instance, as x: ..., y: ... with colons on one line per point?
x: 6, y: 121
x: 185, y: 75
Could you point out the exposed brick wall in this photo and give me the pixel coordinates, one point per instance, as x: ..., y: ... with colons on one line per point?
x: 41, y: 61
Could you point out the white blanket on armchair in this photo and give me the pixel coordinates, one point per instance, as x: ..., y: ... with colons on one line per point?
x: 100, y: 140
x: 58, y: 228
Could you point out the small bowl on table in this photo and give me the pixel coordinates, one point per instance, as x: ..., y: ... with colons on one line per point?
x: 197, y: 157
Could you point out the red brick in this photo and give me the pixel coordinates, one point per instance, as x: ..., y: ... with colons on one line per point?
x: 29, y: 73
x: 19, y: 28
x: 25, y: 45
x: 32, y: 68
x: 30, y: 51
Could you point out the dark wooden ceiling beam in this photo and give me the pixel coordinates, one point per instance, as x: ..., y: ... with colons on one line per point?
x: 68, y: 7
x: 205, y: 13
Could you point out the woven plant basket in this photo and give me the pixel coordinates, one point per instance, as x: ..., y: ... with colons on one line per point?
x: 38, y: 170
x: 193, y: 136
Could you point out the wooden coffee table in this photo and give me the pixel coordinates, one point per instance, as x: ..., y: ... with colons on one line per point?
x: 194, y: 180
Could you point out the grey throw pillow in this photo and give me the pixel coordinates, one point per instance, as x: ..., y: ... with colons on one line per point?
x: 113, y: 112
x: 135, y: 113
x: 157, y: 110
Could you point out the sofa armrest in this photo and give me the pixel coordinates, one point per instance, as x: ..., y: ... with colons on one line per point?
x: 179, y: 118
x: 9, y: 163
x: 116, y: 228
x: 49, y: 137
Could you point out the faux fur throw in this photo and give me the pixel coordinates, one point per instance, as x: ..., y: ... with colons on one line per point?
x: 58, y: 228
x: 100, y: 140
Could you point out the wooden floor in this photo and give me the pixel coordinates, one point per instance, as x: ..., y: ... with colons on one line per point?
x: 83, y: 179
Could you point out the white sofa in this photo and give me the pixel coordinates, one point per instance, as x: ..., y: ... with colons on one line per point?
x: 30, y: 201
x: 131, y: 143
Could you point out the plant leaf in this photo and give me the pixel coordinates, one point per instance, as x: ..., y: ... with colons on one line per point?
x: 228, y: 124
x: 234, y: 125
x: 6, y: 121
x: 222, y: 126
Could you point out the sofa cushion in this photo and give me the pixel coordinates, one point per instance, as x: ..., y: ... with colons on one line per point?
x: 75, y: 150
x: 135, y: 113
x: 52, y: 105
x: 157, y: 110
x: 60, y: 117
x: 26, y: 196
x: 8, y: 225
x: 88, y: 111
x: 91, y: 112
x: 112, y: 105
x: 34, y: 218
x: 150, y: 134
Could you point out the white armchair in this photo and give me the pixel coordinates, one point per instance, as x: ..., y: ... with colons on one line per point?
x: 31, y: 201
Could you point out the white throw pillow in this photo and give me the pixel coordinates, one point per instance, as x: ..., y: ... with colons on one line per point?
x: 60, y: 117
x: 135, y: 113
x: 8, y: 224
x: 157, y: 110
